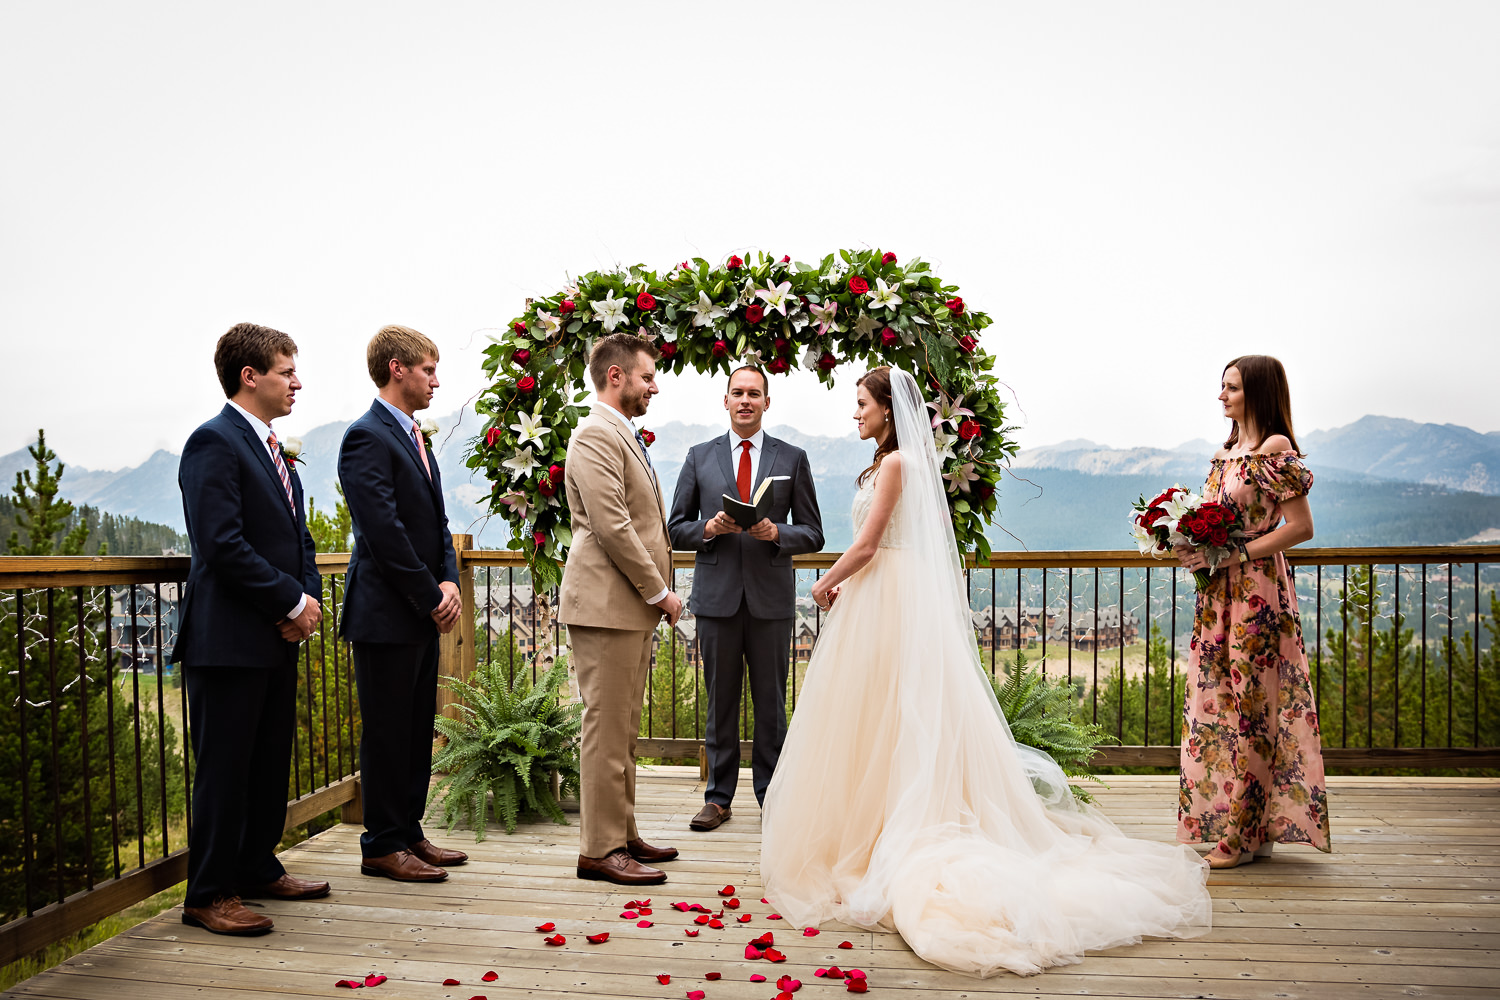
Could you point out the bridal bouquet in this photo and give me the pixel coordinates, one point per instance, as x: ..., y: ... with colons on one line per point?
x: 1178, y: 517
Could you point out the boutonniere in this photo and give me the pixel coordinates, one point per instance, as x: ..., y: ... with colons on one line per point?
x: 429, y: 429
x: 647, y: 438
x: 291, y: 451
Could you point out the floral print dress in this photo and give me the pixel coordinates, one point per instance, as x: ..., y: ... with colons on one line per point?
x: 1252, y: 758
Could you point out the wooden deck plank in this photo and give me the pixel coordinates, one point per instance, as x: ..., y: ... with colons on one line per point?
x: 1408, y: 904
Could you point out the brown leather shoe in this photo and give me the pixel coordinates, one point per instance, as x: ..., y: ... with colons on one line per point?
x: 226, y: 915
x: 435, y: 855
x: 644, y: 852
x: 620, y: 868
x: 403, y: 866
x: 710, y: 817
x: 286, y: 887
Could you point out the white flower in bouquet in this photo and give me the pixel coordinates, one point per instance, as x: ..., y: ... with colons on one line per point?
x: 610, y: 311
x: 521, y: 463
x: 706, y: 311
x: 551, y: 325
x: 944, y: 442
x: 776, y: 296
x: 530, y: 428
x: 865, y: 326
x: 823, y: 315
x: 884, y: 296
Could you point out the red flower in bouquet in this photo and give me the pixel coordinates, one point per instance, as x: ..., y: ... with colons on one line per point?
x: 888, y: 337
x: 969, y: 430
x: 539, y: 537
x: 491, y: 436
x: 645, y: 301
x: 545, y: 486
x: 887, y: 258
x: 734, y: 263
x: 955, y: 306
x: 828, y: 362
x: 668, y: 350
x: 779, y: 345
x: 567, y: 306
x: 786, y: 258
x: 518, y: 326
x: 521, y: 357
x: 556, y: 473
x: 721, y: 348
x: 967, y: 344
x: 755, y: 312
x: 527, y: 384
x: 648, y: 437
x: 858, y: 285
x: 777, y: 366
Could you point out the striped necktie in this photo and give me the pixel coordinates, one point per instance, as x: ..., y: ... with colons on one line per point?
x: 286, y: 478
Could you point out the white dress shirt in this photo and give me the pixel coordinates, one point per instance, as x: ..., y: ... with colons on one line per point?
x: 263, y: 430
x: 630, y: 426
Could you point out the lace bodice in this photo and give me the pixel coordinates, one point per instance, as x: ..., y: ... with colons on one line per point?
x: 891, y: 538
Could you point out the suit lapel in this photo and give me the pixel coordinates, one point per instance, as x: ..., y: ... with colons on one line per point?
x: 405, y: 444
x: 258, y: 448
x: 768, y: 446
x: 637, y: 449
x: 722, y: 447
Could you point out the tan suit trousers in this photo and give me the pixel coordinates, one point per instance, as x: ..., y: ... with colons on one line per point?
x: 612, y: 666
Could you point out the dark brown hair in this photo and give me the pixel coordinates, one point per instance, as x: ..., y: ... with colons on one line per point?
x: 765, y: 381
x: 1268, y: 399
x: 252, y: 345
x: 396, y: 343
x: 878, y: 382
x: 617, y: 349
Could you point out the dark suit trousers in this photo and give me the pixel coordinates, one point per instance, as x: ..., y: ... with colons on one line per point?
x: 241, y: 721
x: 728, y: 645
x: 397, y: 702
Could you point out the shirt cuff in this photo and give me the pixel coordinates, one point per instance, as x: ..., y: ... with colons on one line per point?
x: 298, y: 609
x: 659, y: 597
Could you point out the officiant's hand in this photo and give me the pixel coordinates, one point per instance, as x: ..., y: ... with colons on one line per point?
x: 765, y: 529
x: 720, y: 524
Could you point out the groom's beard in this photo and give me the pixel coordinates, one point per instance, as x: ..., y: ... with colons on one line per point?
x: 633, y: 405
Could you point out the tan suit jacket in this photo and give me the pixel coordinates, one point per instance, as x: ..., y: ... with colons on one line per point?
x: 621, y: 552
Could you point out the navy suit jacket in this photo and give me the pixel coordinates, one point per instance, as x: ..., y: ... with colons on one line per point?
x: 253, y: 558
x: 729, y: 568
x: 402, y: 546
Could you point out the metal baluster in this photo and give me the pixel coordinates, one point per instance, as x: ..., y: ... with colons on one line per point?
x: 29, y: 865
x: 135, y: 700
x: 109, y: 715
x: 1344, y: 680
x: 1396, y: 655
x: 83, y: 742
x: 161, y: 721
x: 1424, y: 655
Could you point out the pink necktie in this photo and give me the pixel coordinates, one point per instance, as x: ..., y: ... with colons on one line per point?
x: 416, y: 437
x: 286, y: 479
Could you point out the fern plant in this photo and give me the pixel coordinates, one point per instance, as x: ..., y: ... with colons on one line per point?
x: 509, y: 740
x: 1044, y: 715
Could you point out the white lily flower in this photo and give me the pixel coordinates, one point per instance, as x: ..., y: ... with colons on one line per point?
x: 866, y: 325
x: 944, y: 442
x: 706, y: 311
x: 961, y: 477
x: 530, y: 428
x: 949, y: 411
x: 610, y: 312
x: 521, y: 463
x: 519, y: 504
x: 751, y: 357
x: 776, y: 296
x: 551, y: 325
x: 823, y: 316
x: 884, y: 296
x: 1180, y: 505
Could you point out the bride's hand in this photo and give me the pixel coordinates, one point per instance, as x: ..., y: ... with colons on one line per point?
x: 824, y: 596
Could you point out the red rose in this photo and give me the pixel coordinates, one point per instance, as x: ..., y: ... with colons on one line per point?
x: 720, y: 348
x: 969, y: 430
x: 539, y: 537
x: 887, y: 258
x: 556, y: 473
x: 491, y: 436
x: 1220, y: 537
x: 568, y: 305
x: 985, y: 491
x: 684, y: 266
x: 546, y: 487
x: 754, y: 312
x: 526, y: 384
x: 967, y: 344
x: 828, y: 362
x: 888, y: 337
x: 786, y: 258
x: 1161, y: 499
x: 668, y: 350
x: 645, y: 301
x: 734, y: 263
x: 518, y: 326
x: 521, y: 357
x: 858, y: 285
x: 777, y: 366
x: 1151, y: 517
x: 779, y: 345
x: 955, y: 306
x: 648, y: 437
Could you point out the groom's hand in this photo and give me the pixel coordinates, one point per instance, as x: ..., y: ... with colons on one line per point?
x: 445, y: 615
x: 671, y: 607
x: 720, y: 524
x: 765, y: 529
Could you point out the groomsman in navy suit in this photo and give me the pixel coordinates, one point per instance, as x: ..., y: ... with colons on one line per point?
x: 248, y: 603
x: 402, y: 592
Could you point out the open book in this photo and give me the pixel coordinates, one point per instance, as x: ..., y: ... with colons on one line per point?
x: 748, y: 515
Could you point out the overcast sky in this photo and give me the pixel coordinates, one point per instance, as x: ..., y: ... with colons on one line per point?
x: 1135, y: 192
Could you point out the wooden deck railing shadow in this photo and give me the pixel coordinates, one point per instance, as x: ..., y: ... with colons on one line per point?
x: 1402, y: 643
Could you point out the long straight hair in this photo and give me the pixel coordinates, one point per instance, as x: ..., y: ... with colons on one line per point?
x: 1268, y: 399
x: 878, y: 381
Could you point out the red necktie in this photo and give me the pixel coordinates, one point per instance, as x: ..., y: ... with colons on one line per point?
x: 743, y: 479
x: 416, y: 439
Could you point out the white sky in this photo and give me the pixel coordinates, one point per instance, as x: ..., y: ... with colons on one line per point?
x: 1136, y: 192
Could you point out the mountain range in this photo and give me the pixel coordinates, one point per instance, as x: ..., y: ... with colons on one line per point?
x: 1379, y: 481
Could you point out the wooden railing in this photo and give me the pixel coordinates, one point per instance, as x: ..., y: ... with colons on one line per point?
x: 1401, y: 643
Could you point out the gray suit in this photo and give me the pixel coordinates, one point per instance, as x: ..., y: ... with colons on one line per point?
x: 744, y: 598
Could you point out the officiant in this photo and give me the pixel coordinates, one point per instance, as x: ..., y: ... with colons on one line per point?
x: 744, y: 590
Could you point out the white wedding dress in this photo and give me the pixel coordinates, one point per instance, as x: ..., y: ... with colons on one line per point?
x: 901, y: 800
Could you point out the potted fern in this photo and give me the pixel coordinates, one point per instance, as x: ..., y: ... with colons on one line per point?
x: 515, y: 741
x: 1042, y: 714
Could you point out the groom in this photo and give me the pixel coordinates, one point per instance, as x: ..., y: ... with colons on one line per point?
x: 744, y: 587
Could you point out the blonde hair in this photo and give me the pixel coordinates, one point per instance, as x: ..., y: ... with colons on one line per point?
x: 400, y: 343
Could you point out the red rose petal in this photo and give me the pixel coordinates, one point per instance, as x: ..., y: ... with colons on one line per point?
x: 690, y: 932
x: 702, y: 918
x: 547, y: 928
x: 629, y: 915
x: 733, y: 904
x: 752, y: 953
x: 643, y: 923
x: 716, y: 924
x: 490, y: 976
x: 855, y: 974
x: 681, y: 906
x: 350, y: 984
x: 783, y: 995
x: 556, y: 940
x: 728, y: 890
x: 765, y: 940
x: 765, y: 900
x: 699, y: 907
x: 743, y: 918
x: 757, y: 978
x: 696, y: 995
x: 374, y: 980
x: 663, y: 978
x: 846, y: 944
x: 644, y: 911
x: 719, y: 915
x: 857, y: 986
x: 773, y: 916
x: 821, y: 973
x: 598, y: 938
x: 479, y: 997
x: 711, y: 976
x: 809, y: 932
x: 772, y: 955
x: 451, y: 982
x: 789, y: 984
x: 834, y: 972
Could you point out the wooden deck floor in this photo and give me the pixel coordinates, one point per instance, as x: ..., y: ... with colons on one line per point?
x: 1408, y: 906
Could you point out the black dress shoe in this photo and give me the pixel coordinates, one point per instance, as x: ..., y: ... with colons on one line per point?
x: 645, y: 853
x: 710, y: 817
x: 620, y: 868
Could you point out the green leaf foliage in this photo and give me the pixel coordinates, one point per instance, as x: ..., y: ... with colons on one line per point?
x: 1047, y: 715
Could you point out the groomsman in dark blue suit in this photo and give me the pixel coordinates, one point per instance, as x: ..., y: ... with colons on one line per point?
x: 402, y: 593
x: 248, y: 603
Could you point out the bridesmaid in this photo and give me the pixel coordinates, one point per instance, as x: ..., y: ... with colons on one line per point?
x: 1252, y: 759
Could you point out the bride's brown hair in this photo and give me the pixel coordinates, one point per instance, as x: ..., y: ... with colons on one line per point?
x: 1268, y: 399
x: 878, y: 382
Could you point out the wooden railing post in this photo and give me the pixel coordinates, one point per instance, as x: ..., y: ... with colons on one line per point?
x: 456, y: 649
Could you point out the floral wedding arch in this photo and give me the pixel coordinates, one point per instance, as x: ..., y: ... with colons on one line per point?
x: 855, y: 310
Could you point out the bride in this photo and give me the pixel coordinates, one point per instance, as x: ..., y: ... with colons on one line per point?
x: 901, y: 800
